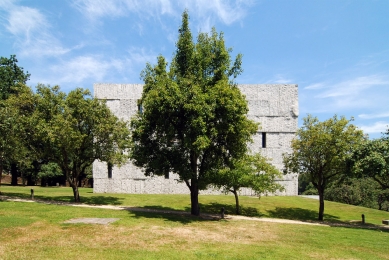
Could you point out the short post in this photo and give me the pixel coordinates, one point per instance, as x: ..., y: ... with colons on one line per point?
x: 363, y: 218
x: 222, y: 213
x: 32, y: 194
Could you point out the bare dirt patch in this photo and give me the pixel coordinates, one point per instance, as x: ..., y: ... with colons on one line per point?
x: 101, y: 221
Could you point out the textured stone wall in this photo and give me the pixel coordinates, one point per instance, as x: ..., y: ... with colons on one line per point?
x: 274, y: 106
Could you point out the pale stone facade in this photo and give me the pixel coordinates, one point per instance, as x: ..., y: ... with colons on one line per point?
x: 274, y: 106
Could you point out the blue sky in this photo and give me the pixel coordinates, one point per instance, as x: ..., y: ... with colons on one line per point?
x: 337, y: 51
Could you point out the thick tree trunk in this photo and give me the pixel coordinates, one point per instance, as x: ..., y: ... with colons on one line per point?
x: 237, y: 207
x: 194, y: 198
x: 14, y: 174
x: 30, y: 180
x: 321, y: 204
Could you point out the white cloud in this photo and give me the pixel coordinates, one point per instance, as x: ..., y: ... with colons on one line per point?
x: 31, y: 30
x: 354, y: 86
x: 84, y: 67
x: 226, y: 11
x: 141, y: 56
x: 315, y: 86
x: 279, y: 79
x: 377, y: 127
x: 100, y: 8
x: 371, y: 116
x: 354, y: 95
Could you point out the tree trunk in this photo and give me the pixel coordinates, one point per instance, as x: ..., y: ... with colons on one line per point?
x: 30, y: 180
x: 1, y: 172
x: 76, y: 194
x: 194, y: 198
x: 237, y: 207
x: 14, y: 174
x: 321, y: 204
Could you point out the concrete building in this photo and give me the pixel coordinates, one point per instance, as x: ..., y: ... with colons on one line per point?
x: 274, y: 106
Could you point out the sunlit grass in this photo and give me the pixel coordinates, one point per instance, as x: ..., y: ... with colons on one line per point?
x: 296, y: 208
x: 37, y: 231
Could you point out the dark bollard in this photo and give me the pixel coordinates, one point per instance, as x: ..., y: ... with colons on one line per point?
x: 363, y: 218
x: 222, y: 213
x: 32, y: 194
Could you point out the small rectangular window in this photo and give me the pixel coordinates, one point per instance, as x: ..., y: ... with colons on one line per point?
x: 263, y: 140
x: 140, y: 107
x: 110, y: 170
x: 167, y: 175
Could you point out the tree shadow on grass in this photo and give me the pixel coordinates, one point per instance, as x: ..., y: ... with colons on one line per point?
x: 299, y: 214
x: 102, y: 200
x: 215, y: 208
x: 94, y: 200
x: 170, y: 214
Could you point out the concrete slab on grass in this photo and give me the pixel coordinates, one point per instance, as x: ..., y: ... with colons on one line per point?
x: 102, y: 221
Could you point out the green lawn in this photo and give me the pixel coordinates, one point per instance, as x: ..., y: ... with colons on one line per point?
x: 36, y: 230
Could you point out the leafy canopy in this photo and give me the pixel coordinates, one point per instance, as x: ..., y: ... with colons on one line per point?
x: 321, y: 151
x: 371, y: 159
x: 194, y: 115
x: 76, y: 129
x: 10, y: 75
x: 250, y: 171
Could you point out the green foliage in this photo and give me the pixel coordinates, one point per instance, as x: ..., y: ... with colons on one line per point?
x: 194, y: 117
x: 12, y: 80
x: 321, y: 151
x: 250, y: 171
x: 75, y: 130
x: 10, y: 75
x: 15, y: 129
x: 310, y: 190
x: 365, y: 192
x: 50, y: 170
x: 371, y: 159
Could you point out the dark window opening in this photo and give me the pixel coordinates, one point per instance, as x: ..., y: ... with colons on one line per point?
x: 263, y: 140
x: 140, y: 107
x: 110, y: 170
x: 167, y: 175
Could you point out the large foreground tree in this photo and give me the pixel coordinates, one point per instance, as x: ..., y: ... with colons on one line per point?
x: 194, y: 116
x: 76, y: 129
x: 321, y: 152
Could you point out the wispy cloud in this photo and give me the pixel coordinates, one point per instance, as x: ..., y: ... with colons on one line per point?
x: 371, y: 116
x: 377, y: 127
x: 355, y: 95
x: 280, y: 79
x: 31, y: 30
x: 315, y: 86
x: 82, y: 68
x: 141, y: 55
x: 226, y: 11
x: 354, y: 86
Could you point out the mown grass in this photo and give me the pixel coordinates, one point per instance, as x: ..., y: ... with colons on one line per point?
x: 37, y: 231
x: 295, y: 208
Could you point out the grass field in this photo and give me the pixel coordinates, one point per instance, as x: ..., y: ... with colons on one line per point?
x: 37, y: 230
